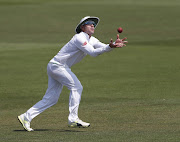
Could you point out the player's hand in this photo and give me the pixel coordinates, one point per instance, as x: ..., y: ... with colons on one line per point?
x: 118, y: 43
x: 118, y: 40
x: 111, y: 44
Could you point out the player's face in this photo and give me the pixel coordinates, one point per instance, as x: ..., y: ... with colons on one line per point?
x: 88, y: 27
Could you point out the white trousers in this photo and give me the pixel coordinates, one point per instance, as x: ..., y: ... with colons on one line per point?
x: 58, y: 76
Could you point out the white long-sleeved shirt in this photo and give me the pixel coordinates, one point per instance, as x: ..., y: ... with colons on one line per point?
x: 77, y: 48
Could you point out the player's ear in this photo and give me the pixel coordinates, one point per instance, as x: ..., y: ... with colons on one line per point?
x: 82, y: 28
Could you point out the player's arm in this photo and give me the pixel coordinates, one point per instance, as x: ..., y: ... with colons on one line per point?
x: 117, y: 44
x: 84, y: 45
x: 96, y: 43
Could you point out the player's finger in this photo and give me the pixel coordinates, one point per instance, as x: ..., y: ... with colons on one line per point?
x: 117, y: 36
x: 124, y: 38
x: 125, y: 41
x: 119, y: 45
x: 111, y: 40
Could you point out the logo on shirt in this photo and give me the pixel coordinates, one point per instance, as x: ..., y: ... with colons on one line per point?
x: 84, y: 43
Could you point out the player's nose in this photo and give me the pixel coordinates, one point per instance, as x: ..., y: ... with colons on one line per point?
x: 92, y: 25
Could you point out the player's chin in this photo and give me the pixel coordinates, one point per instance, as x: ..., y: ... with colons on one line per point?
x: 92, y: 31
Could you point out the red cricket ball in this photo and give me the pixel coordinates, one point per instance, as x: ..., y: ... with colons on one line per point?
x: 120, y: 30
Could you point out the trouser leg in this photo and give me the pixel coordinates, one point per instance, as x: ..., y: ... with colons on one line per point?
x: 66, y: 77
x: 74, y: 101
x: 59, y: 77
x: 75, y: 87
x: 50, y: 98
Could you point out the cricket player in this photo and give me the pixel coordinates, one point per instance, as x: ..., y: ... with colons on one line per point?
x: 60, y: 74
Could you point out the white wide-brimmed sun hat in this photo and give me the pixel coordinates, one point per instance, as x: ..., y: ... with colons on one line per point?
x: 83, y: 20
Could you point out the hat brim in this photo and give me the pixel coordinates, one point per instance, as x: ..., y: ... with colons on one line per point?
x: 95, y: 19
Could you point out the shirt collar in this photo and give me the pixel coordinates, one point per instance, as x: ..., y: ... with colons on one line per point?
x: 86, y: 35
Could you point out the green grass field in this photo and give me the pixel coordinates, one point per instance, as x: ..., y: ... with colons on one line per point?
x: 130, y: 94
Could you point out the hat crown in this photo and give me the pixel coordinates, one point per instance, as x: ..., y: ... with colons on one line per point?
x: 83, y: 19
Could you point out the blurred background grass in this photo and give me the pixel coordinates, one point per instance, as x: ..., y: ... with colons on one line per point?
x: 130, y: 94
x: 49, y: 21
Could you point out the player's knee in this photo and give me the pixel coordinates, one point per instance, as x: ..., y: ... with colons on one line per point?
x: 76, y: 87
x: 80, y: 87
x: 54, y: 101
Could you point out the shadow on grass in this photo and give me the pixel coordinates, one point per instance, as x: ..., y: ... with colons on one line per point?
x: 50, y: 130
